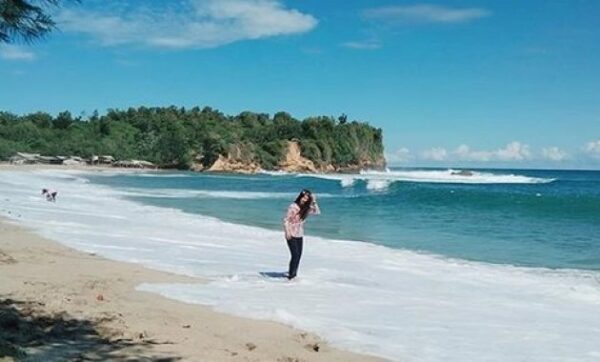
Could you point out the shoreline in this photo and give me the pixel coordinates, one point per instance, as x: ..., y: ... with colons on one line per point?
x: 4, y: 165
x: 44, y: 284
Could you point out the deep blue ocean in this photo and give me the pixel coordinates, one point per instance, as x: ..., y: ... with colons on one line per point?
x: 534, y: 218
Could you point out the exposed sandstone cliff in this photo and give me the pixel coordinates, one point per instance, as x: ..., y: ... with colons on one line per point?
x: 238, y: 159
x: 241, y: 159
x: 229, y: 164
x: 293, y: 161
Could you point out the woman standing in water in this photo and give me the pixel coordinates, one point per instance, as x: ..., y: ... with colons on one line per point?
x: 293, y: 225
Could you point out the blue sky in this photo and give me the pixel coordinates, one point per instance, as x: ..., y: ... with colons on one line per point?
x: 505, y: 83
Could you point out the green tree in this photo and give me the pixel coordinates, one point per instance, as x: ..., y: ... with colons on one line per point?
x: 40, y: 119
x: 26, y: 20
x: 63, y: 120
x: 171, y: 146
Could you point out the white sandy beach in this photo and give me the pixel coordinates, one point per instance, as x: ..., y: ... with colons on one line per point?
x: 51, y: 286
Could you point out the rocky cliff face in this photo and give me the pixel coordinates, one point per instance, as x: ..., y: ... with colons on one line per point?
x: 293, y: 160
x: 239, y: 160
x: 236, y: 161
x: 228, y: 164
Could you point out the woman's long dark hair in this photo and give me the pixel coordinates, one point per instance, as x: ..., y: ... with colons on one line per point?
x: 304, y: 208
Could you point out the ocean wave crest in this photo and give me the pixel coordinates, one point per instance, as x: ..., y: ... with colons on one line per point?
x: 379, y: 180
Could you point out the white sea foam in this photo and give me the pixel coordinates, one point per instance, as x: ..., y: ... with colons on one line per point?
x: 276, y: 173
x: 381, y: 179
x: 161, y: 174
x: 455, y: 176
x: 186, y: 193
x: 347, y: 182
x: 367, y: 298
x: 377, y: 185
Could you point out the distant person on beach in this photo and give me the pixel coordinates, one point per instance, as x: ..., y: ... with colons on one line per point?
x: 293, y: 225
x: 50, y: 194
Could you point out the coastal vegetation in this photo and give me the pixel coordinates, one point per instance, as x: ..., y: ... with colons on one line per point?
x: 175, y: 137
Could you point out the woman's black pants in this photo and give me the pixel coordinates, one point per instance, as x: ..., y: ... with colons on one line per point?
x: 295, y: 245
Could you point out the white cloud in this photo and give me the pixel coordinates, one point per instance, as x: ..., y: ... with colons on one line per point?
x: 424, y: 13
x: 514, y: 151
x: 362, y: 45
x: 194, y: 24
x: 464, y: 153
x: 401, y: 155
x: 593, y: 148
x: 435, y: 154
x: 554, y: 154
x: 14, y: 52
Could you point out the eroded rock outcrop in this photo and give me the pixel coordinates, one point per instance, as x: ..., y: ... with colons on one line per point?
x: 293, y: 161
x: 237, y: 160
x: 228, y: 164
x: 241, y: 158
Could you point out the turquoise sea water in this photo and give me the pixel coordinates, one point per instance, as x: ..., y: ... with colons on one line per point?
x: 538, y: 219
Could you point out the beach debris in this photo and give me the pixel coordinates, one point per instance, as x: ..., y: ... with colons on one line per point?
x: 313, y: 346
x: 100, y: 297
x: 186, y: 326
x: 251, y: 346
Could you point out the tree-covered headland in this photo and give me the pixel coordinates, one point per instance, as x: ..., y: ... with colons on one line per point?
x: 175, y: 137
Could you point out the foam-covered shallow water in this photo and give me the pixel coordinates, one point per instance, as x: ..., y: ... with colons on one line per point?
x: 368, y: 298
